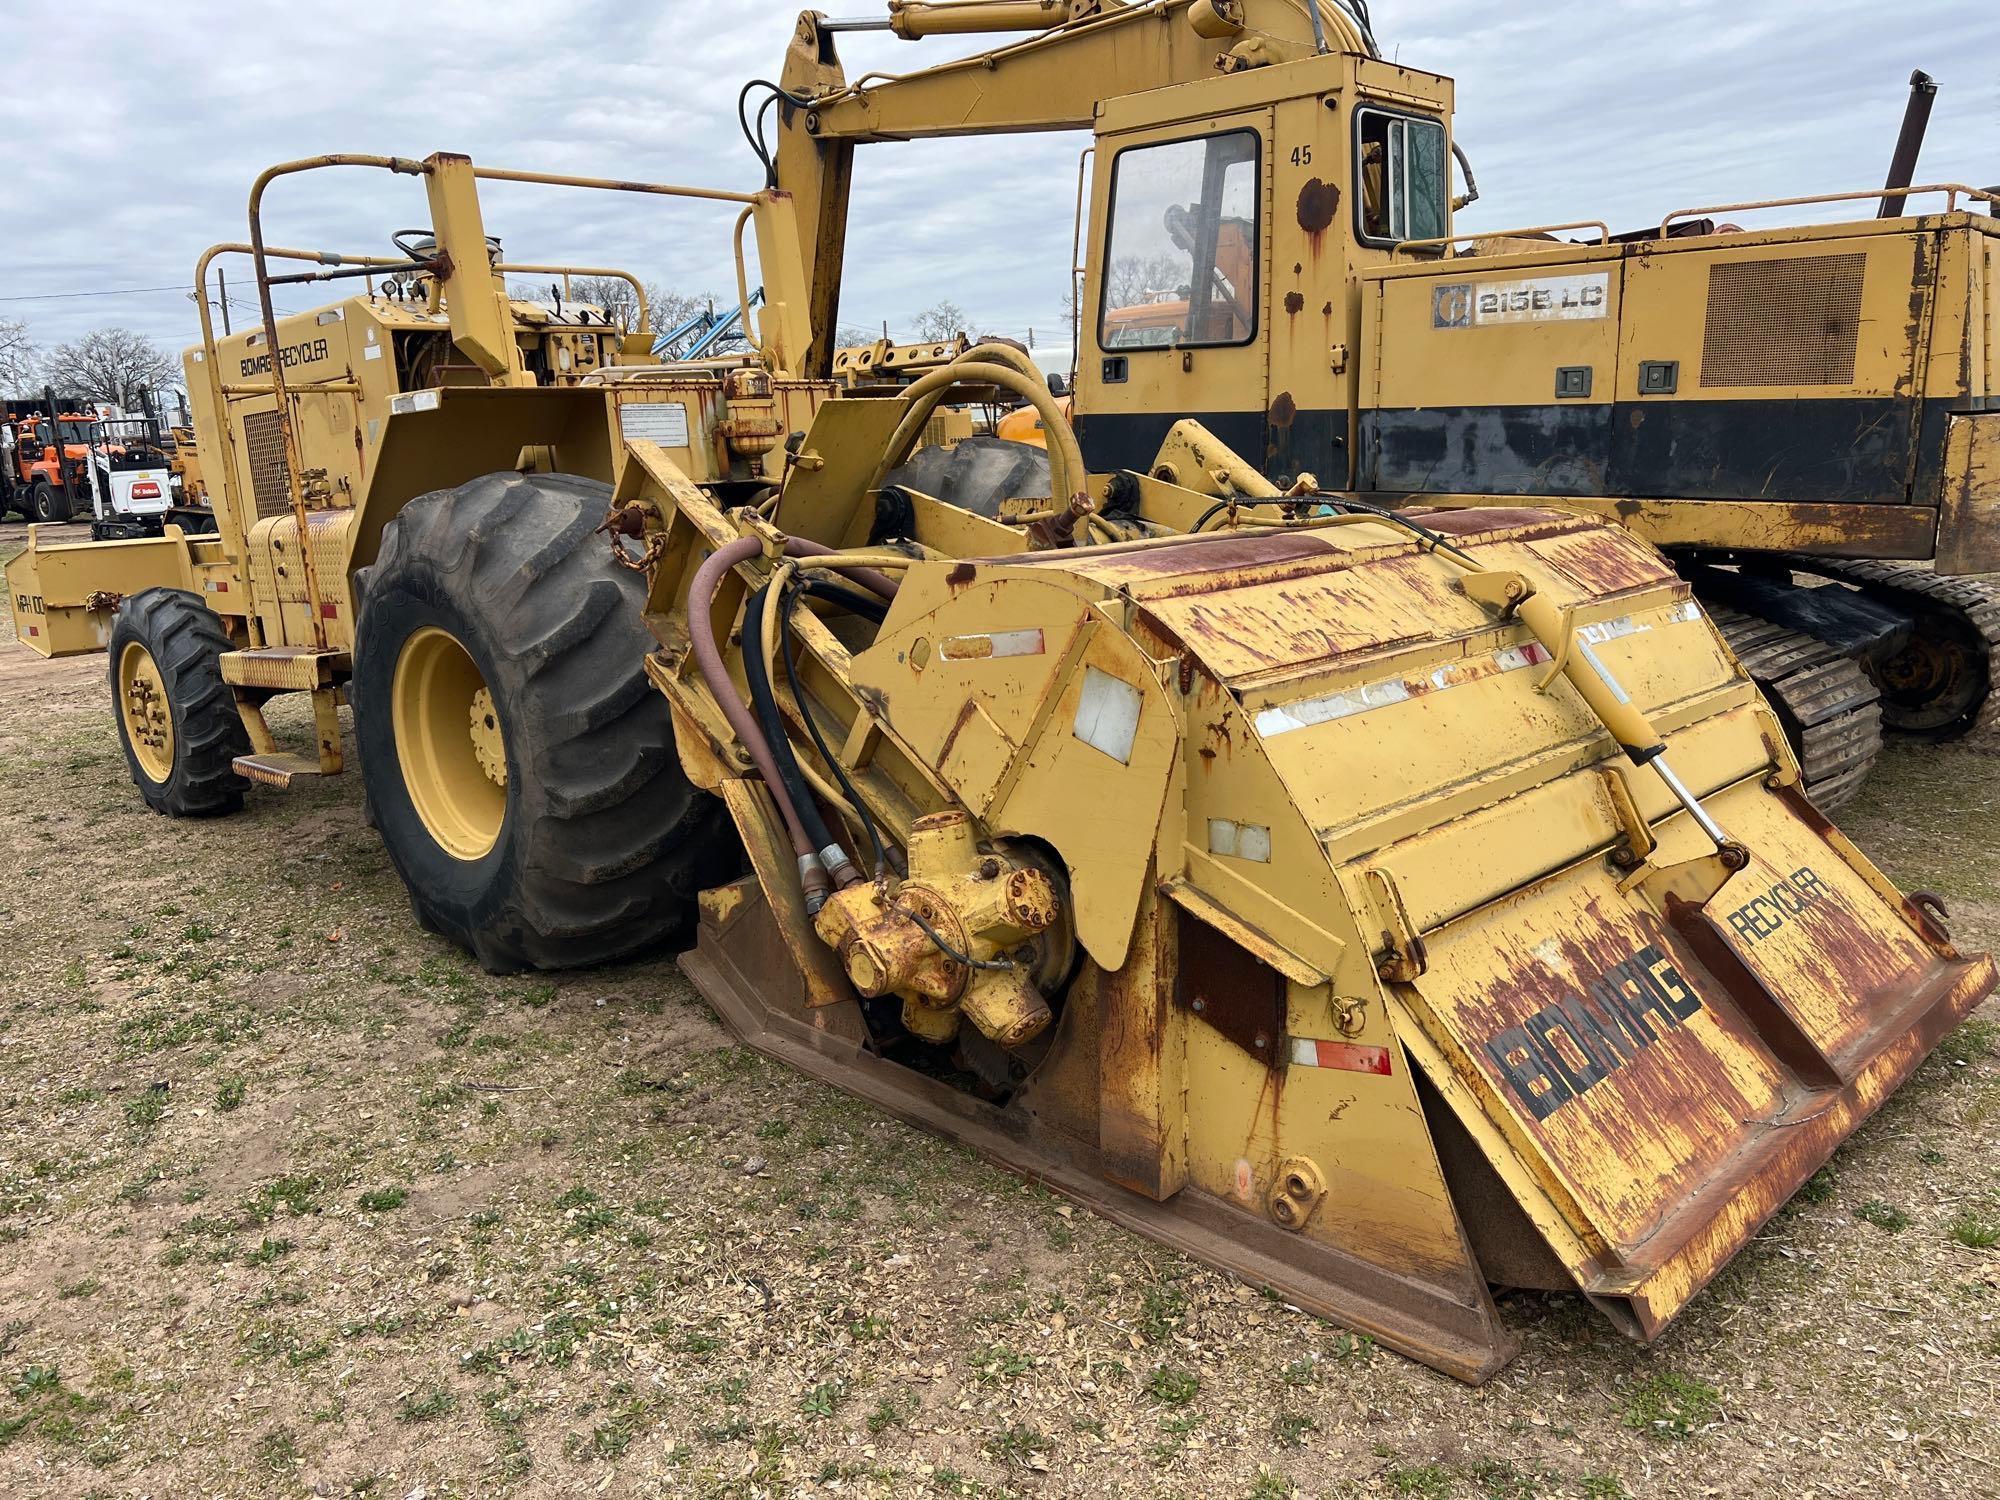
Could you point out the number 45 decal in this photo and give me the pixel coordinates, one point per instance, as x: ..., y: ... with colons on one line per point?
x: 1302, y: 156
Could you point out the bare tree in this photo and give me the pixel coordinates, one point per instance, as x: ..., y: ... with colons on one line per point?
x: 111, y: 364
x: 669, y: 309
x: 612, y: 293
x: 19, y: 358
x: 941, y: 320
x: 1135, y: 279
x: 665, y: 307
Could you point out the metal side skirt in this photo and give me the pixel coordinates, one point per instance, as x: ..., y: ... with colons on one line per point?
x: 739, y: 965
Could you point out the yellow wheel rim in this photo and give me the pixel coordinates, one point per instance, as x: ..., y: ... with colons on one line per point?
x: 451, y: 743
x: 149, y: 721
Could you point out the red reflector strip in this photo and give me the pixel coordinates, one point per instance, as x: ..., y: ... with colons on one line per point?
x: 1349, y: 1057
x: 34, y: 630
x: 329, y: 610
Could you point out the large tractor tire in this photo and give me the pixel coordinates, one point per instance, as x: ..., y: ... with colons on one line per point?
x: 48, y: 503
x: 177, y: 718
x: 519, y: 766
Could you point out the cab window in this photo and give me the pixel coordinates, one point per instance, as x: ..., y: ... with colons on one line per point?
x: 1180, y: 262
x: 1402, y: 164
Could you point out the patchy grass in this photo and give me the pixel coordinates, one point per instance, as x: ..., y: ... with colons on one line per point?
x: 1882, y: 1215
x: 1668, y: 1405
x: 582, y: 1287
x: 426, y: 1405
x: 1975, y: 1231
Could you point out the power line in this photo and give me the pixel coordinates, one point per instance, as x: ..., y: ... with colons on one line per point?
x: 114, y: 291
x: 126, y: 291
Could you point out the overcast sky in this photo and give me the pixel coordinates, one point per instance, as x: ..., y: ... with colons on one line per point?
x: 135, y: 128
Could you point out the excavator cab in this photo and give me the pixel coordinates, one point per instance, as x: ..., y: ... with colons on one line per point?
x: 1271, y: 183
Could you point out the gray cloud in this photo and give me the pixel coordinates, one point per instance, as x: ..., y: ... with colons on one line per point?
x: 136, y: 130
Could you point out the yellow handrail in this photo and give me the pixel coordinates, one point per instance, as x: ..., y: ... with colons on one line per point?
x: 1951, y: 190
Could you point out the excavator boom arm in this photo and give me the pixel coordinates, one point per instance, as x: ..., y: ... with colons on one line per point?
x: 1052, y: 80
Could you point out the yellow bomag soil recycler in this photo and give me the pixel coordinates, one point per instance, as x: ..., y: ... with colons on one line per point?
x: 1379, y: 908
x: 1383, y: 906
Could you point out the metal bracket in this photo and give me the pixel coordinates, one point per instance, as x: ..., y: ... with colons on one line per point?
x: 1401, y: 957
x: 1639, y: 844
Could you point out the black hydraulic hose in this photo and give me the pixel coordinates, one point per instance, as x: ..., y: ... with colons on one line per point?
x: 708, y: 659
x: 755, y: 135
x: 1437, y: 539
x: 757, y: 672
x: 853, y: 600
x: 1337, y: 502
x: 863, y: 605
x: 1221, y: 505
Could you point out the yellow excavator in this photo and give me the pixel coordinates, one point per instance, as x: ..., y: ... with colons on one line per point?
x: 1383, y: 904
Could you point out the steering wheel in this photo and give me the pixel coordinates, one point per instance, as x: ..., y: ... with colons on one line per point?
x: 416, y: 244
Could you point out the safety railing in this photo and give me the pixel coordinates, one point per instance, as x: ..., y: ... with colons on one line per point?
x: 1446, y: 241
x: 1953, y: 191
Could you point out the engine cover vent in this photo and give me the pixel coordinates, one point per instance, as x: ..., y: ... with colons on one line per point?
x: 1786, y: 322
x: 265, y: 439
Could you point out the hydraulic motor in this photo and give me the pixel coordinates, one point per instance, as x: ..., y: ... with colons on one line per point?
x: 949, y: 939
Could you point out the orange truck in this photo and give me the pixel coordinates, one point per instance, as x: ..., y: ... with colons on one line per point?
x: 45, y: 457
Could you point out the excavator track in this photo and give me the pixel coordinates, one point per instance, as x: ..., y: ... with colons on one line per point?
x: 1939, y: 685
x: 1830, y: 709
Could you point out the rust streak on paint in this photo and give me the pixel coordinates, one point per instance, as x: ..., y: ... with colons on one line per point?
x: 1318, y: 203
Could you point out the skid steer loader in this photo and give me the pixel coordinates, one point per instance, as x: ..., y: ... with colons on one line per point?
x: 1382, y: 905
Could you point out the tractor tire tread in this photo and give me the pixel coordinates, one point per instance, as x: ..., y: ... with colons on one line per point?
x: 186, y: 640
x: 607, y: 841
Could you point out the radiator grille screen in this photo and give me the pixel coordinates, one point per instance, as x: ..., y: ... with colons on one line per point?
x: 1783, y: 322
x: 264, y: 440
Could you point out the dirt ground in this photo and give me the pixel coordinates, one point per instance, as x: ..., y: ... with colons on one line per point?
x: 295, y: 1200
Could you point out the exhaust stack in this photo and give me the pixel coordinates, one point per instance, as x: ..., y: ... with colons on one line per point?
x: 1909, y: 141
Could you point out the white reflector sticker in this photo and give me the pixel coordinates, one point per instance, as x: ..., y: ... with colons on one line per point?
x: 1107, y: 714
x: 1251, y: 841
x: 662, y: 422
x: 1307, y: 712
x: 414, y: 401
x: 986, y: 647
x: 1348, y: 1057
x: 1286, y: 717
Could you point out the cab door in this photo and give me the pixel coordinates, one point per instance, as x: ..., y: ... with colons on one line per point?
x: 1173, y: 315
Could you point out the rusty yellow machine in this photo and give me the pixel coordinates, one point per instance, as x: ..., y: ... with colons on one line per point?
x: 1382, y: 905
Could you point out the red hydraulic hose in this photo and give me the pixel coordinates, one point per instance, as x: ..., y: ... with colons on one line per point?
x: 708, y: 659
x: 701, y: 636
x: 872, y: 579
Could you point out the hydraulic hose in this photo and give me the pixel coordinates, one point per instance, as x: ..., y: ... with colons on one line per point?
x: 857, y: 569
x: 868, y: 609
x: 708, y: 659
x: 1008, y: 368
x: 756, y: 670
x: 922, y: 396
